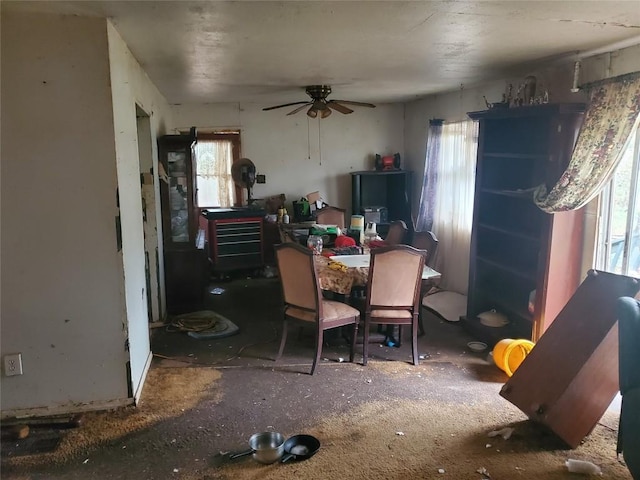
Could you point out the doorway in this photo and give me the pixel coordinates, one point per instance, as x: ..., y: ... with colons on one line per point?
x: 149, y: 224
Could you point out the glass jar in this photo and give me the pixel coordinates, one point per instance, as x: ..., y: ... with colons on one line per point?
x: 314, y: 242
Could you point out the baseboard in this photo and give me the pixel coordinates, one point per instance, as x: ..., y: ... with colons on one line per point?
x: 145, y: 371
x: 71, y: 408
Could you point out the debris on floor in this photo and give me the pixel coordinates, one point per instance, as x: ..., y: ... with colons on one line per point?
x: 483, y: 471
x: 505, y: 433
x: 582, y: 466
x: 203, y: 324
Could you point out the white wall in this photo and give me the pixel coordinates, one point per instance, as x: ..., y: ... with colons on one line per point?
x: 299, y: 155
x: 63, y: 280
x: 557, y: 78
x: 131, y: 86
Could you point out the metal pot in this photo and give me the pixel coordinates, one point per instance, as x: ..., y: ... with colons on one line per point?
x: 266, y: 447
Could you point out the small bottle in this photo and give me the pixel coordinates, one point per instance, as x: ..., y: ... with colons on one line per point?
x: 280, y: 215
x: 285, y: 216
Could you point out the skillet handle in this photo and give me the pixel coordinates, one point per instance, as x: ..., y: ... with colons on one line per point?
x: 241, y: 454
x: 286, y: 457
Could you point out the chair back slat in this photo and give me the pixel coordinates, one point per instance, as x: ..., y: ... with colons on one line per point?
x: 297, y: 275
x: 394, y: 276
x: 397, y: 232
x: 426, y: 241
x: 331, y: 216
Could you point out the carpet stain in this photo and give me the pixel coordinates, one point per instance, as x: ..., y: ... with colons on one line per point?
x: 167, y: 393
x: 415, y: 439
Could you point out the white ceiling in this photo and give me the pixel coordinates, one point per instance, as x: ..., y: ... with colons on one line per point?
x: 385, y: 51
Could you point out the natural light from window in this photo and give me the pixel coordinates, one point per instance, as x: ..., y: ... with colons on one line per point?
x: 213, y: 173
x: 618, y: 247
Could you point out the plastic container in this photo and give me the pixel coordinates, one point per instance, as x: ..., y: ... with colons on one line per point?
x: 314, y: 242
x: 508, y: 353
x: 582, y: 466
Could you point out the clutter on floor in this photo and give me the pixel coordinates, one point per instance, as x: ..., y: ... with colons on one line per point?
x: 203, y: 324
x: 446, y: 304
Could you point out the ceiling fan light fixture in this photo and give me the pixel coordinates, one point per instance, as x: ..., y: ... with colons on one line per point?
x: 319, y: 104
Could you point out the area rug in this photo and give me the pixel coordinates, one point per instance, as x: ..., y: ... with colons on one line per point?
x: 408, y: 439
x: 204, y: 324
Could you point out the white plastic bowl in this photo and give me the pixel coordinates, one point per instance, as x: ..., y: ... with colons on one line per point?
x: 477, y: 346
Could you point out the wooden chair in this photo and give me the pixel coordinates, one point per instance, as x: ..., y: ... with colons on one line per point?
x: 303, y: 301
x: 331, y: 216
x: 393, y: 292
x: 425, y: 241
x: 397, y: 232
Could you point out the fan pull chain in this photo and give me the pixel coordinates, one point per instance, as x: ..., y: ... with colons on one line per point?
x: 319, y: 141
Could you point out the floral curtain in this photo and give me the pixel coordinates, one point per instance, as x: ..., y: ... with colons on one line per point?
x: 424, y: 221
x: 611, y: 116
x: 213, y: 173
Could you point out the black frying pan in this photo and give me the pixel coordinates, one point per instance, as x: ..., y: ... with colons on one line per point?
x: 300, y: 447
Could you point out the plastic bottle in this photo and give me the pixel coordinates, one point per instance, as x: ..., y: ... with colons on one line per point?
x: 285, y: 216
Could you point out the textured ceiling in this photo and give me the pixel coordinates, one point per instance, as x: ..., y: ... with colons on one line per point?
x: 206, y: 52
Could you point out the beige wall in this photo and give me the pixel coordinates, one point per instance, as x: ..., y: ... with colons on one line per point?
x: 299, y: 155
x: 63, y: 280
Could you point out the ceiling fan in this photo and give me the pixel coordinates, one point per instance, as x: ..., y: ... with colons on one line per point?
x: 319, y: 105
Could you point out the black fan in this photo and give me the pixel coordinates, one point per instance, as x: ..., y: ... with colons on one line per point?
x: 319, y: 105
x: 243, y: 173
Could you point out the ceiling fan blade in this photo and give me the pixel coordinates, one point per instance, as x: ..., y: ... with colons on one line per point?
x: 359, y: 104
x: 292, y: 112
x: 338, y: 107
x: 284, y: 105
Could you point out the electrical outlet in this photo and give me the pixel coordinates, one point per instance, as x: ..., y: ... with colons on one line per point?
x: 261, y: 179
x: 13, y: 364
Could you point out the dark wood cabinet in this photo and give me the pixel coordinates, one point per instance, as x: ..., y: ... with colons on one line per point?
x: 185, y: 262
x: 519, y: 252
x: 388, y: 189
x: 178, y: 189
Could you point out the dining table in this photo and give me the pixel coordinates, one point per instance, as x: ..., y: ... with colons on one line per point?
x: 341, y: 273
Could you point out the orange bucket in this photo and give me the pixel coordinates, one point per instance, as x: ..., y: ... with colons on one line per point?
x: 508, y: 353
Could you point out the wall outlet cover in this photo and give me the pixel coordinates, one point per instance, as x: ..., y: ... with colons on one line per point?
x: 13, y: 364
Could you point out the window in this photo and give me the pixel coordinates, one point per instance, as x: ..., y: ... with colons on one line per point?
x: 618, y: 247
x: 453, y: 212
x: 214, y: 155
